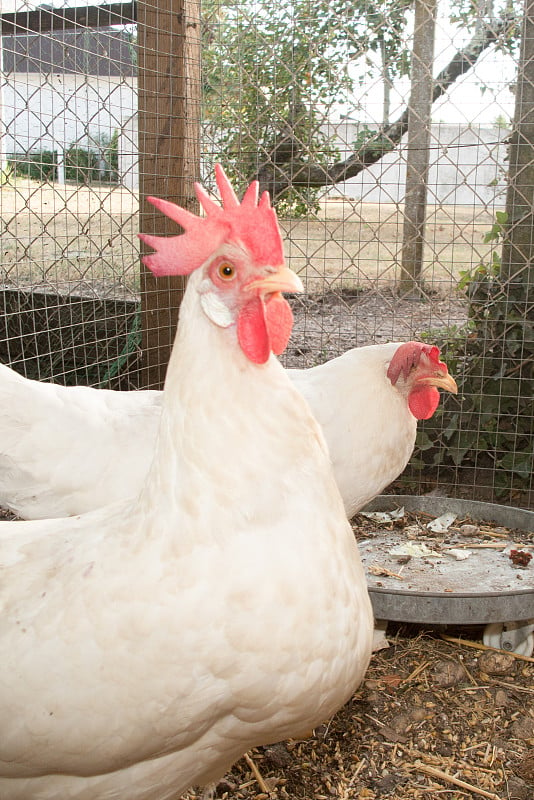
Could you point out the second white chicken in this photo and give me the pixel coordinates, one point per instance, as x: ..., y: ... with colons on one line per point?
x: 68, y: 450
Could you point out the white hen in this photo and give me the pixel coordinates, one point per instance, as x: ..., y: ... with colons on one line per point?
x: 368, y: 402
x: 147, y: 645
x: 68, y: 450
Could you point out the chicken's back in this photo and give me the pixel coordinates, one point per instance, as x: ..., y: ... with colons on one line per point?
x: 68, y: 450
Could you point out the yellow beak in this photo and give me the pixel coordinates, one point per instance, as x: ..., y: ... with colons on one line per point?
x: 284, y: 280
x: 445, y: 382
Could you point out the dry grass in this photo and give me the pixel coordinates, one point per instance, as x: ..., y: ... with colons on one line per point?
x: 53, y: 235
x: 56, y: 234
x: 359, y: 244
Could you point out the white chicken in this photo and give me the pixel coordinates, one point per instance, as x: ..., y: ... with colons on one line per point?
x: 68, y: 450
x: 147, y: 645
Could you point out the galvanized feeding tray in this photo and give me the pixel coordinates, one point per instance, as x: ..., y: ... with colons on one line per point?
x: 455, y: 574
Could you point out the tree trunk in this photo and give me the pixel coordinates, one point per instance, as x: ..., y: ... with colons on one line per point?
x: 518, y: 244
x: 387, y: 84
x: 499, y: 372
x: 310, y: 174
x: 417, y: 160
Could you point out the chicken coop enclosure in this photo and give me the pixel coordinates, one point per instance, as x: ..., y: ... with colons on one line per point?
x: 396, y: 140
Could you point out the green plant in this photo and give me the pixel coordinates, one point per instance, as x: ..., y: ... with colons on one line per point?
x: 298, y: 203
x: 81, y: 165
x: 98, y: 161
x: 38, y: 166
x: 489, y: 424
x: 111, y: 154
x: 7, y: 172
x: 484, y: 272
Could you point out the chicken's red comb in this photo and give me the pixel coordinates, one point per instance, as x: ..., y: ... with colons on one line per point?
x: 408, y: 355
x: 250, y: 223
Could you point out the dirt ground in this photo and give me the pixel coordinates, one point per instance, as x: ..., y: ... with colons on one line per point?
x: 329, y: 324
x: 432, y: 719
x: 54, y: 233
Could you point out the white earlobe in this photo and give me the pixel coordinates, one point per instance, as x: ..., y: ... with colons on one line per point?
x: 215, y: 309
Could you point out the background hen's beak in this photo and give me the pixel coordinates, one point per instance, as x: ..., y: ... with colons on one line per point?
x: 285, y: 280
x: 446, y: 382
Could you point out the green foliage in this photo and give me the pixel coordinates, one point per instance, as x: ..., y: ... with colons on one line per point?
x: 97, y: 162
x: 490, y: 424
x: 298, y: 203
x: 81, y: 165
x: 111, y: 154
x: 271, y: 79
x: 502, y: 122
x: 470, y: 13
x: 486, y: 272
x: 372, y: 141
x: 38, y: 166
x: 7, y: 172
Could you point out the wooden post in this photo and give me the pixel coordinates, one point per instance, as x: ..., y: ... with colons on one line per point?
x: 2, y: 164
x: 169, y: 154
x: 419, y: 120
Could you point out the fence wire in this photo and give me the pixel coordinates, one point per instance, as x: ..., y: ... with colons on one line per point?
x: 319, y: 102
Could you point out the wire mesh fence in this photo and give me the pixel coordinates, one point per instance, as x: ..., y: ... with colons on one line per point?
x: 384, y: 132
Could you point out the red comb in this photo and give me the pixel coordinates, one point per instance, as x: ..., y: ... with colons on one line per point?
x: 251, y: 223
x: 408, y: 356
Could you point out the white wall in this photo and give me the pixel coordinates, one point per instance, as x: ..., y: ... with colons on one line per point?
x: 53, y: 111
x: 467, y: 167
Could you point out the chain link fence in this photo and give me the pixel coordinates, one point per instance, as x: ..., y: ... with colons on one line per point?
x: 384, y: 132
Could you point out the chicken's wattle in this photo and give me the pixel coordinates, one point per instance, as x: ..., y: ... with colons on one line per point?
x: 423, y: 401
x: 264, y: 326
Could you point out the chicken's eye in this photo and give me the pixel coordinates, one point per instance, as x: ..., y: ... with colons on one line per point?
x: 226, y: 271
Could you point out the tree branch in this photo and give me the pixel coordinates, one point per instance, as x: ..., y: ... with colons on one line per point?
x: 280, y: 171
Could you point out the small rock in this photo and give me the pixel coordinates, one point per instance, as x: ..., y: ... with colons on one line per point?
x: 401, y: 723
x: 278, y: 755
x: 392, y: 735
x: 469, y: 530
x: 212, y: 790
x: 448, y: 673
x: 518, y: 789
x: 501, y: 698
x: 523, y: 728
x: 496, y: 663
x: 525, y: 767
x: 388, y: 783
x: 418, y: 714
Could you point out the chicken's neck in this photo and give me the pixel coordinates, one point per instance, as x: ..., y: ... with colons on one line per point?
x: 233, y: 434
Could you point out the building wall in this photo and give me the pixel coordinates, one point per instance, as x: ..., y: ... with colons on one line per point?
x: 467, y: 166
x: 52, y: 111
